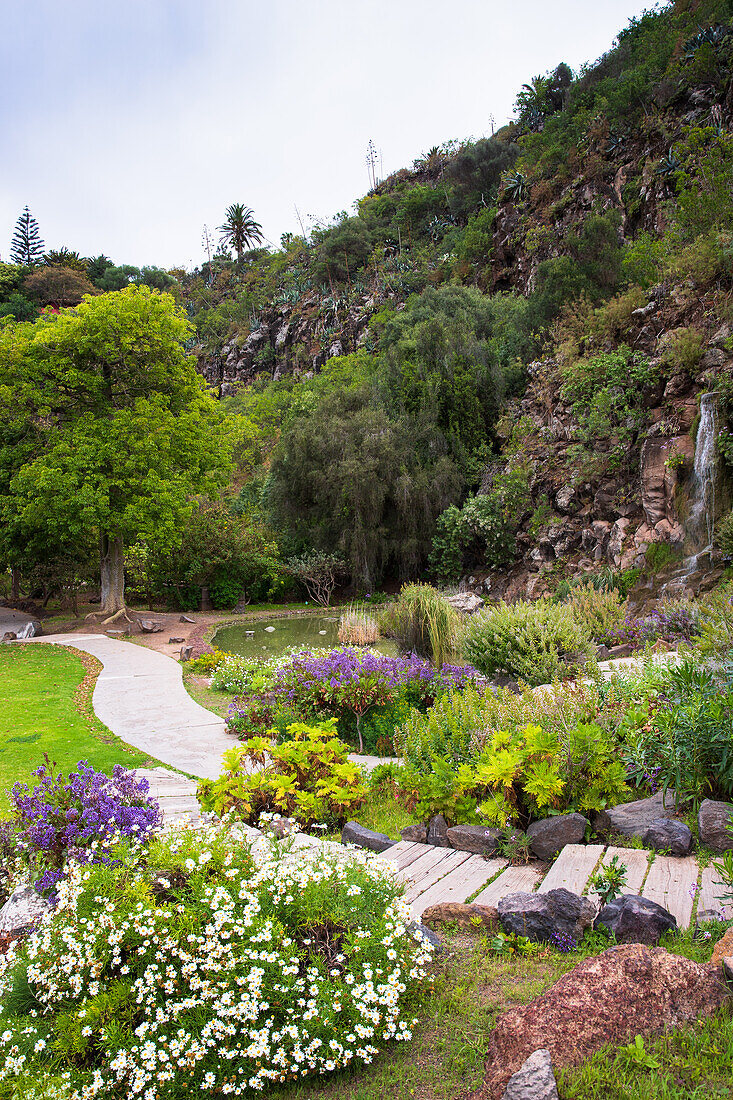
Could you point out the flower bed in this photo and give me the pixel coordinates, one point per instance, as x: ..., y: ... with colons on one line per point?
x: 194, y: 965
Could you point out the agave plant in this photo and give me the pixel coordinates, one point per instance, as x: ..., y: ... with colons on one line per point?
x: 669, y: 164
x: 706, y: 36
x: 614, y: 144
x: 515, y: 187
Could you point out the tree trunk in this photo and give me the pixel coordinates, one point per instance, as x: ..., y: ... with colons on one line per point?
x: 15, y: 584
x: 112, y: 574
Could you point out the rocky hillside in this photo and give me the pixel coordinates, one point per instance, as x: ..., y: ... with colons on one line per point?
x: 606, y: 206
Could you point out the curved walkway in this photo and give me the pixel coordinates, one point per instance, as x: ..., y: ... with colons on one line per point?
x: 140, y: 696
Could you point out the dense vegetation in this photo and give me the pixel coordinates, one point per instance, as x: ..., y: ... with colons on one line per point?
x: 382, y: 349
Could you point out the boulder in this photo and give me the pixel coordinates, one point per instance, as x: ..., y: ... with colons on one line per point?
x: 668, y: 835
x: 438, y: 832
x: 634, y: 919
x: 467, y: 603
x: 281, y: 826
x: 175, y: 641
x: 722, y: 949
x: 354, y: 833
x: 415, y: 834
x: 566, y: 499
x: 555, y: 917
x: 715, y: 825
x: 634, y: 818
x: 474, y: 838
x: 534, y: 1081
x: 24, y: 908
x: 610, y: 998
x: 469, y: 917
x: 9, y: 636
x: 32, y: 629
x: 550, y: 835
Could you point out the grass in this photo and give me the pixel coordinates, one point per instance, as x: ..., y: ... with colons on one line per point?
x: 45, y: 706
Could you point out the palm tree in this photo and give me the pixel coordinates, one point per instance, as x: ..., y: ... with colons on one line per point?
x: 240, y: 230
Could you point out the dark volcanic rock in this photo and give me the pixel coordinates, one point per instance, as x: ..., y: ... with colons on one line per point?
x: 471, y: 917
x: 634, y: 919
x: 438, y: 832
x: 417, y: 834
x: 553, y: 833
x: 715, y: 822
x: 474, y: 838
x: 634, y: 818
x: 542, y: 918
x: 628, y: 990
x: 354, y: 833
x: 667, y: 835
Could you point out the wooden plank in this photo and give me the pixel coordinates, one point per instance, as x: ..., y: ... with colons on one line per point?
x: 515, y: 880
x: 430, y: 859
x: 458, y: 884
x: 428, y: 875
x: 572, y: 868
x: 636, y: 861
x: 404, y: 852
x: 669, y: 883
x: 711, y: 893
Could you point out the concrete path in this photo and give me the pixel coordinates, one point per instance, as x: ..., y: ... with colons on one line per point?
x: 140, y: 696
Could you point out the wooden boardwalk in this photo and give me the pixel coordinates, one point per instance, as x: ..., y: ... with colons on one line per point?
x: 434, y: 875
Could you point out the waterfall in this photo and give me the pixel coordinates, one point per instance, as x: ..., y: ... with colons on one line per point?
x: 702, y: 500
x: 700, y: 522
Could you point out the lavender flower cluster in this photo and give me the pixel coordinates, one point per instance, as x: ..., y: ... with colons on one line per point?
x: 75, y: 818
x: 349, y: 679
x: 669, y: 623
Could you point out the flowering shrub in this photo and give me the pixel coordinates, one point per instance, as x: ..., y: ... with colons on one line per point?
x: 207, y: 663
x: 75, y: 819
x: 308, y: 777
x: 199, y: 967
x: 673, y: 622
x: 346, y: 682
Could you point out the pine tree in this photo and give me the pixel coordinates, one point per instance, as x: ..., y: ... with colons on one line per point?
x: 27, y: 246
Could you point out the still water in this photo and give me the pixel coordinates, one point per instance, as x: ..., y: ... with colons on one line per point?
x: 316, y: 630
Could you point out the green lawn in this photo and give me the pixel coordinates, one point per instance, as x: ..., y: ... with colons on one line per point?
x: 45, y: 706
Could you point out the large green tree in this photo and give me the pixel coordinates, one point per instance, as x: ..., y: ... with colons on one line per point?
x: 118, y: 429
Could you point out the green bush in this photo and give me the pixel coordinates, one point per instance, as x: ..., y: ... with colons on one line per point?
x: 535, y: 642
x: 598, y: 612
x: 199, y: 966
x: 208, y: 663
x: 308, y: 777
x: 524, y: 774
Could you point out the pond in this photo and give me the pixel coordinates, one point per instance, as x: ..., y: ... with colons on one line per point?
x: 272, y: 635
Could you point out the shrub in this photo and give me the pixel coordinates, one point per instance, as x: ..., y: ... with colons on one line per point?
x: 307, y: 777
x: 535, y: 642
x: 423, y: 622
x: 716, y: 623
x: 240, y: 674
x: 687, y: 741
x: 683, y: 349
x: 207, y: 663
x: 599, y: 612
x: 356, y: 627
x: 319, y: 573
x: 724, y: 534
x: 672, y: 621
x: 525, y: 773
x: 76, y: 818
x: 197, y: 967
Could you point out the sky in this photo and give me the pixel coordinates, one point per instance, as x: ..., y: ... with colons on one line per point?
x: 131, y: 125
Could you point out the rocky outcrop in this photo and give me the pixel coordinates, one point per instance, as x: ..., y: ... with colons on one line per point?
x: 22, y: 911
x: 628, y: 990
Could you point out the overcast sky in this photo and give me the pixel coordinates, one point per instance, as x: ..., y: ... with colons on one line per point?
x: 127, y: 126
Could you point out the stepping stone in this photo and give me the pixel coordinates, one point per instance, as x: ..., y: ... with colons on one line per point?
x: 669, y: 883
x: 515, y: 880
x: 572, y: 868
